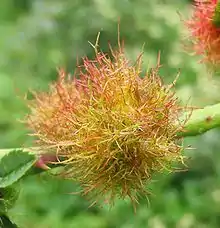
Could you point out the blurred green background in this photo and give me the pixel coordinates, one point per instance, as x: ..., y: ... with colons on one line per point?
x: 36, y: 37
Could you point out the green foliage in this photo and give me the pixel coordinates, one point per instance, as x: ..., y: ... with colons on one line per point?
x: 8, y: 197
x: 14, y: 165
x: 39, y: 35
x: 6, y: 223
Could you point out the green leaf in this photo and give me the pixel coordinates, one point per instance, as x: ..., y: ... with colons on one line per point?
x: 6, y: 223
x: 14, y: 165
x: 8, y: 197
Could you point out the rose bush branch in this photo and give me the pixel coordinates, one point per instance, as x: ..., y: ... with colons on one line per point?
x: 201, y: 120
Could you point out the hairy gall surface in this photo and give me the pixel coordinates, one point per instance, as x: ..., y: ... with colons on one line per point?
x: 204, y: 29
x: 111, y: 129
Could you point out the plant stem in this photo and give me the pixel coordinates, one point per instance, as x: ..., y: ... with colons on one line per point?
x: 201, y: 120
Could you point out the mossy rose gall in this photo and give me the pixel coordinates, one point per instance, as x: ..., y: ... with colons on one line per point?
x: 204, y: 29
x: 110, y: 128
